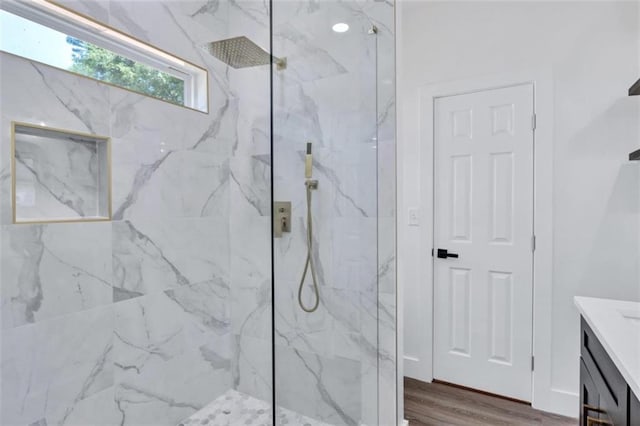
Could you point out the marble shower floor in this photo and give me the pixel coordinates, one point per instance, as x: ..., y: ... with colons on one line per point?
x: 234, y: 408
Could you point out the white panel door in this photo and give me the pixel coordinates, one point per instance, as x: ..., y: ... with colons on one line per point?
x: 484, y: 214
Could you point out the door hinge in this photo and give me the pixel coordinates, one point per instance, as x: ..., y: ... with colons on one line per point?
x: 432, y: 252
x: 533, y: 243
x: 532, y: 363
x: 534, y: 121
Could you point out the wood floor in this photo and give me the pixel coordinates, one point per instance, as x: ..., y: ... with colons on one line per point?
x: 431, y: 404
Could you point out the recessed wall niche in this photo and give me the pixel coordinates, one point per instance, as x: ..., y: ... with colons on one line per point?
x: 59, y: 175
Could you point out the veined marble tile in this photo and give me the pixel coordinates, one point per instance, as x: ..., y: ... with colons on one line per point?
x: 180, y: 184
x: 151, y: 256
x: 65, y: 101
x: 52, y: 270
x: 325, y: 389
x: 174, y: 26
x: 250, y: 87
x: 96, y: 9
x: 387, y: 330
x: 386, y: 181
x: 386, y: 256
x: 299, y: 330
x: 251, y: 183
x: 252, y: 366
x: 49, y: 368
x: 296, y: 118
x: 150, y: 126
x: 172, y: 354
x: 355, y: 253
x: 307, y: 60
x: 369, y: 395
x: 6, y: 213
x: 346, y: 110
x: 387, y: 401
x: 98, y: 409
x: 249, y: 16
x: 250, y: 241
x: 251, y: 310
x: 351, y: 49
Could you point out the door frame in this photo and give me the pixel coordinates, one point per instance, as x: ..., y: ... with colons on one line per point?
x: 543, y: 395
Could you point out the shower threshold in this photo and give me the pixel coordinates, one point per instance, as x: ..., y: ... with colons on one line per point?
x: 236, y: 408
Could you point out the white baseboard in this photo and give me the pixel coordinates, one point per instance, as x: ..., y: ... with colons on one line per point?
x: 559, y: 402
x: 405, y: 422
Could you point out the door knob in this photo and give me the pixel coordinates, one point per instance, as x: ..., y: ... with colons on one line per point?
x: 444, y: 253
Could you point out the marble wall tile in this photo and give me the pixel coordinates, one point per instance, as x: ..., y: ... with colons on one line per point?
x: 99, y: 409
x: 325, y: 389
x: 172, y: 354
x: 149, y: 125
x: 387, y: 256
x: 251, y: 310
x: 174, y: 26
x: 154, y: 255
x: 250, y: 183
x: 95, y: 9
x: 168, y: 250
x: 250, y: 241
x: 355, y: 253
x: 306, y: 60
x: 250, y: 87
x: 250, y: 207
x: 50, y: 367
x: 182, y: 183
x: 65, y: 101
x: 52, y: 270
x: 369, y: 393
x: 252, y: 366
x: 297, y: 329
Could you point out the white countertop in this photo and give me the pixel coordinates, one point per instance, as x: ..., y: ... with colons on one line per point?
x: 616, y: 324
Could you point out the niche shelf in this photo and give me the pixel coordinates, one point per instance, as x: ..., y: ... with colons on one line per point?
x: 59, y: 175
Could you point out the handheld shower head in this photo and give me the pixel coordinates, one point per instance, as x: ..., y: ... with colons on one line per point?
x: 308, y: 162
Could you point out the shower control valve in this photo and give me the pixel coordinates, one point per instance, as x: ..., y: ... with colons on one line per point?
x: 281, y: 218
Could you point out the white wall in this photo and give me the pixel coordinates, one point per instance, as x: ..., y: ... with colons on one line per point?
x: 591, y: 52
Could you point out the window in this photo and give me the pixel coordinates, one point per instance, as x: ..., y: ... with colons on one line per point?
x: 42, y: 31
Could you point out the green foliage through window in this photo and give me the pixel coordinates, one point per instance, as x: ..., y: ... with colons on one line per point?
x: 104, y: 65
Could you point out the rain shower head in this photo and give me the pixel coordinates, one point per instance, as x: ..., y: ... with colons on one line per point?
x: 240, y: 52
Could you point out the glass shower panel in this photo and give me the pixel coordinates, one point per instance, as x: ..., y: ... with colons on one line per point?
x: 325, y: 162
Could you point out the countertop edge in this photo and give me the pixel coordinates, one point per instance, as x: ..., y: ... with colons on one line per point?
x: 632, y: 382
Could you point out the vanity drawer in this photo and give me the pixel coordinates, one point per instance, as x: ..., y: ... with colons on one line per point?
x: 612, y: 388
x: 634, y: 410
x: 589, y: 398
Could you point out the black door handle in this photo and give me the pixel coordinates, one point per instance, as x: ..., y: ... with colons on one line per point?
x: 443, y: 254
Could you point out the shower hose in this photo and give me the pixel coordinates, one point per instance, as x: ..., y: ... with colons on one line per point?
x: 309, y: 263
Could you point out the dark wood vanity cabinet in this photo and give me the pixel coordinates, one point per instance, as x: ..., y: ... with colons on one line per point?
x: 605, y: 397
